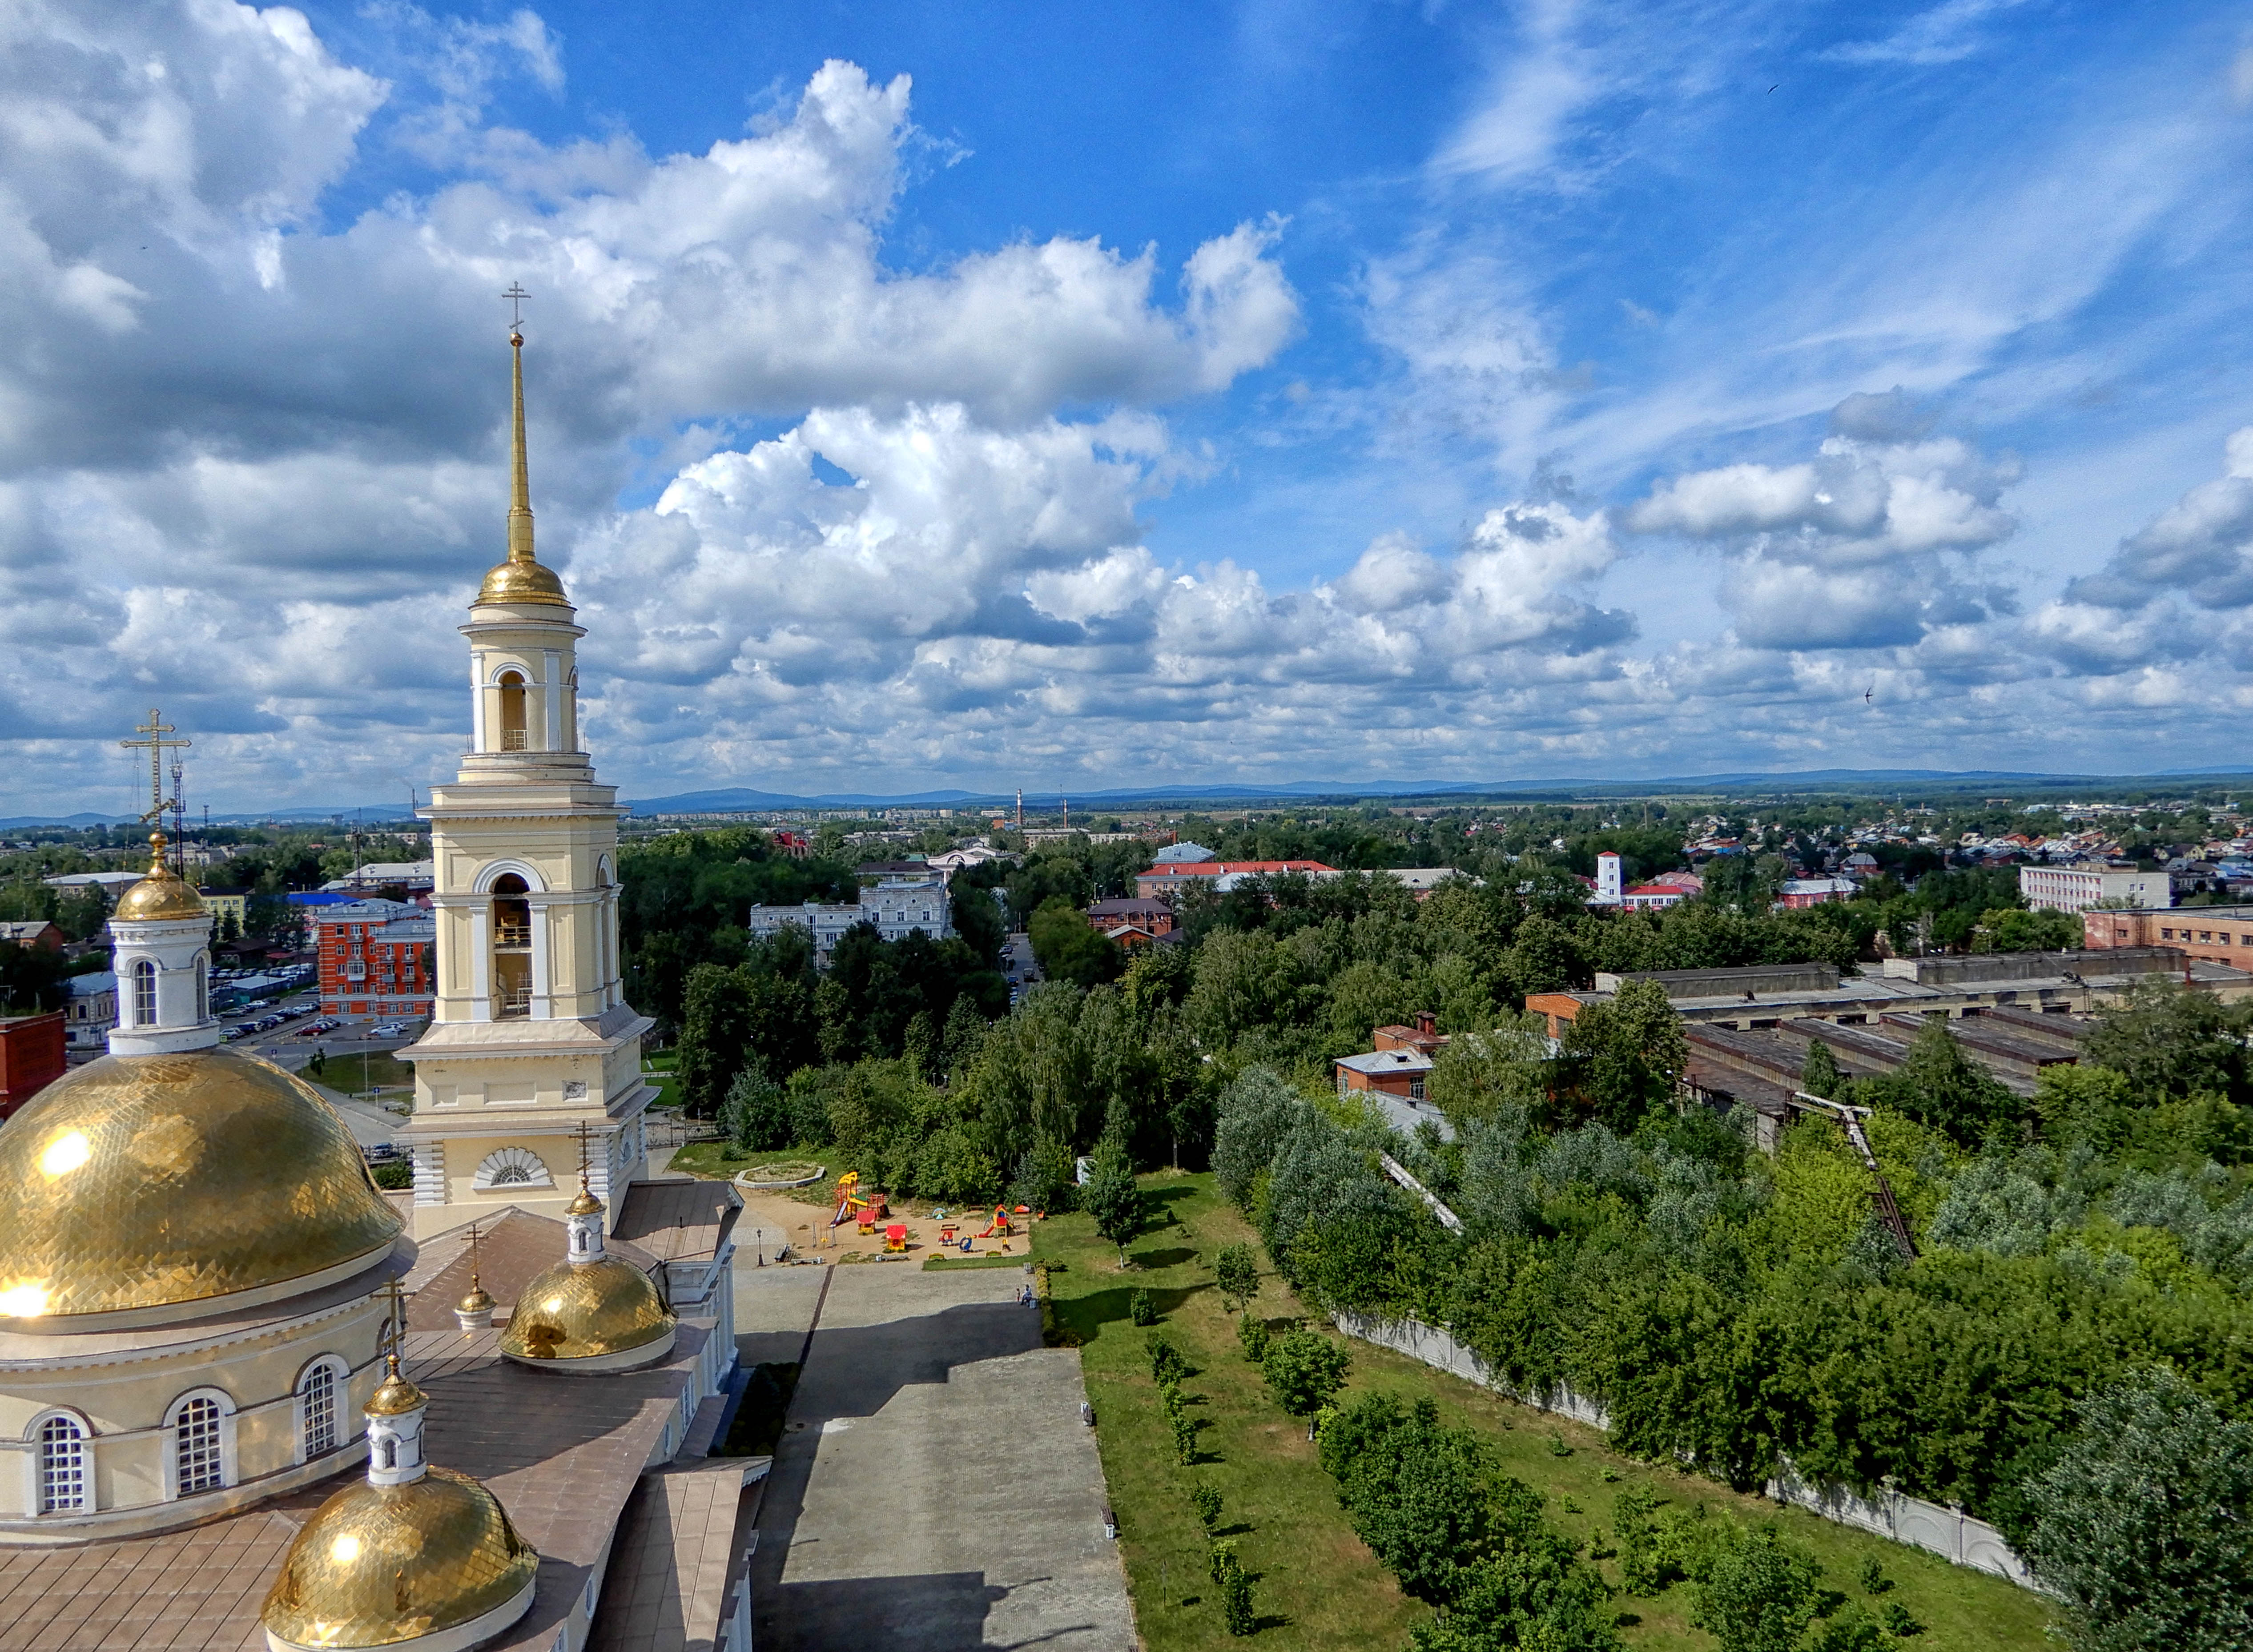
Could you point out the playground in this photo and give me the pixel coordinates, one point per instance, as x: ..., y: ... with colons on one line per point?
x: 851, y: 1222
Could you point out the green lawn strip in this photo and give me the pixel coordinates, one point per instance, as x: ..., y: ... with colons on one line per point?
x: 1312, y: 1571
x: 942, y: 1264
x: 1317, y: 1573
x: 343, y: 1073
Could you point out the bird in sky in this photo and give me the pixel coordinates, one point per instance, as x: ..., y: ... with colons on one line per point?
x: 1870, y: 694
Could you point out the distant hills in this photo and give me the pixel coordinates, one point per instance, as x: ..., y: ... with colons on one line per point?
x: 2021, y: 785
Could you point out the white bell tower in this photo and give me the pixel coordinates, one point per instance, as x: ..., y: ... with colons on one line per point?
x: 532, y: 1039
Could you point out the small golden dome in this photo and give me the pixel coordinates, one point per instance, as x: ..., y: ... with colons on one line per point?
x: 478, y: 1301
x: 586, y: 1204
x: 160, y: 894
x: 521, y: 580
x: 142, y: 1181
x: 378, y: 1565
x: 583, y: 1310
x: 396, y: 1397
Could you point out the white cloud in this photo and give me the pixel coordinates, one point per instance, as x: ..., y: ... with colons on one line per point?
x: 1946, y: 33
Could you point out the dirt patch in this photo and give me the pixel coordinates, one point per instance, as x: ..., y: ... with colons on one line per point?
x: 807, y: 1226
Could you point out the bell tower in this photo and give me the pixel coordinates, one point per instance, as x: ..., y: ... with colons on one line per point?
x: 532, y: 1040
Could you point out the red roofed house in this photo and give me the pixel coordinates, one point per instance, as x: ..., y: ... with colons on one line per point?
x: 1172, y: 877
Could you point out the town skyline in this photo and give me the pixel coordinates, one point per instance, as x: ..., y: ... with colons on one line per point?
x: 1473, y: 400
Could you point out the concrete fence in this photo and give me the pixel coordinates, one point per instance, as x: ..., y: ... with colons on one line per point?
x: 1934, y: 1527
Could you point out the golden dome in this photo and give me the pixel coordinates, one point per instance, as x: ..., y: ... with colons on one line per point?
x: 378, y: 1565
x: 520, y: 580
x: 581, y: 1310
x: 160, y: 894
x: 585, y: 1205
x: 140, y: 1182
x: 477, y: 1301
x: 396, y: 1397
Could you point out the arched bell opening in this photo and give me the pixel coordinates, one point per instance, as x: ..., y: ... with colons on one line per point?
x: 512, y: 948
x: 512, y: 735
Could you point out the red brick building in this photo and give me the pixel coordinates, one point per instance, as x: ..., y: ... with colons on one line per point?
x: 375, y: 958
x: 30, y: 1056
x: 2220, y: 934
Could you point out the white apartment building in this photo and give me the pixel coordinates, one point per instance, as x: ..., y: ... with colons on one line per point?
x: 895, y: 906
x: 2090, y: 884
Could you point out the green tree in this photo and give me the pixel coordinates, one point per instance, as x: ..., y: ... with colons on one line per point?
x: 1113, y: 1199
x: 1205, y: 1499
x: 1758, y: 1594
x: 1237, y: 1613
x: 2140, y: 1526
x: 755, y: 1115
x: 1820, y: 1074
x: 1938, y: 1085
x: 1543, y: 958
x: 1304, y: 1370
x: 1251, y: 1331
x: 1630, y: 1052
x: 1067, y: 947
x: 2170, y: 1040
x: 1236, y: 1272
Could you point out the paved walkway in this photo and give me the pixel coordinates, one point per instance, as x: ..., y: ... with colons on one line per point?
x: 936, y: 1490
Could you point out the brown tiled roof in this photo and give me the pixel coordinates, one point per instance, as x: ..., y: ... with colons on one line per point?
x: 510, y: 1250
x: 678, y: 1219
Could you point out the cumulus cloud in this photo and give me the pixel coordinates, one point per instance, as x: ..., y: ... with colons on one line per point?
x: 1867, y: 545
x: 2178, y: 589
x: 234, y: 438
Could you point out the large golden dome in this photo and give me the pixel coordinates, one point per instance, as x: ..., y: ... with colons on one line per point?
x: 378, y: 1565
x: 140, y: 1181
x: 584, y: 1310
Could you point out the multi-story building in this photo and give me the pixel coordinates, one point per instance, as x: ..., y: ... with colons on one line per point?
x: 2218, y: 934
x: 91, y: 1011
x: 224, y: 904
x: 2091, y: 883
x: 1169, y: 878
x: 374, y: 958
x: 32, y: 1057
x: 896, y: 906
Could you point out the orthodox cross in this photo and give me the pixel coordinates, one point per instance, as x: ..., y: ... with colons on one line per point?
x: 396, y: 1327
x: 157, y: 746
x: 586, y: 1139
x: 516, y: 295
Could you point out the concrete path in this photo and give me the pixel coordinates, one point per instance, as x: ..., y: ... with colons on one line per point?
x: 935, y: 1490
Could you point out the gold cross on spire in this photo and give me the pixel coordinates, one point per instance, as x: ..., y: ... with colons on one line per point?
x: 585, y: 1138
x: 155, y: 728
x: 516, y: 295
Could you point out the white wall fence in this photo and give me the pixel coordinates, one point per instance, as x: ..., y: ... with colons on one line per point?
x: 1934, y: 1527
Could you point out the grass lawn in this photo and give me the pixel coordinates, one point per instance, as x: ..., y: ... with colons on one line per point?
x: 1317, y: 1585
x: 658, y: 1070
x: 343, y: 1074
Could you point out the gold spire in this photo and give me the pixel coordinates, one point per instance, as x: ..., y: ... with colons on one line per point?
x: 477, y: 1301
x: 520, y: 579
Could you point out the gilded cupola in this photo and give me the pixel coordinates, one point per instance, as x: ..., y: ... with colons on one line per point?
x: 414, y: 1556
x: 591, y: 1312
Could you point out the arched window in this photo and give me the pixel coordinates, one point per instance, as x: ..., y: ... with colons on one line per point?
x: 62, y: 1466
x: 198, y: 1446
x: 512, y: 946
x: 144, y: 993
x: 317, y: 1407
x: 202, y: 987
x: 512, y: 711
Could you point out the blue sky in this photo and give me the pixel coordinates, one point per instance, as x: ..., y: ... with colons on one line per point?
x: 987, y: 395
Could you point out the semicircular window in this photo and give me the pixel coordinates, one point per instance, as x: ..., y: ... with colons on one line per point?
x: 512, y: 1168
